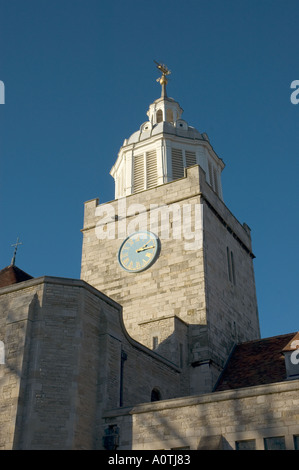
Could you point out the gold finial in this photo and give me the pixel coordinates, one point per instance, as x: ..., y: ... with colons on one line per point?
x: 163, y: 80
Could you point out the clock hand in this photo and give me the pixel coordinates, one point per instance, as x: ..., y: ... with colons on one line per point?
x: 144, y: 248
x: 140, y: 249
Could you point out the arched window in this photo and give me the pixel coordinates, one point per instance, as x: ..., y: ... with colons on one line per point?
x: 159, y: 115
x: 155, y: 395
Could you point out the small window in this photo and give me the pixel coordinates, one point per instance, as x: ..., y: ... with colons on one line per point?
x: 155, y: 395
x: 111, y: 437
x: 275, y: 443
x: 233, y: 267
x: 230, y: 266
x: 234, y: 330
x: 159, y: 115
x: 181, y: 355
x: 169, y: 115
x: 155, y: 342
x: 296, y: 442
x: 248, y: 444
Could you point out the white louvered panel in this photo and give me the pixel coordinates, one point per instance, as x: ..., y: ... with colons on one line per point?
x: 151, y: 169
x: 211, y: 174
x: 216, y: 182
x: 121, y: 182
x: 190, y: 158
x: 177, y: 163
x: 138, y: 180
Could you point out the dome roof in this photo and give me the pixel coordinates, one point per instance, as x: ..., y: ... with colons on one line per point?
x: 179, y: 128
x: 164, y: 118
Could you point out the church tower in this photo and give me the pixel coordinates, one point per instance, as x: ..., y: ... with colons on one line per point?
x: 169, y: 250
x: 160, y: 150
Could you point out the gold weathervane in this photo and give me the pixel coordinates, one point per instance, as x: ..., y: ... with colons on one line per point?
x: 163, y: 80
x: 165, y: 71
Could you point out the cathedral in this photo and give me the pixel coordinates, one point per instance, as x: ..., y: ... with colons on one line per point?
x: 157, y: 346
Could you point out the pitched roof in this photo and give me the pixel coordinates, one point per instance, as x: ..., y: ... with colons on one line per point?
x: 11, y: 275
x: 256, y: 362
x: 292, y: 344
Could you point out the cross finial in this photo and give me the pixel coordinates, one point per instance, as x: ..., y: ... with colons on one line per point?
x: 15, y: 251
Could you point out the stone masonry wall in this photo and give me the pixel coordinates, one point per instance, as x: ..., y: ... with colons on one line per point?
x: 232, y: 311
x: 223, y: 418
x: 64, y: 342
x: 173, y: 285
x: 191, y: 285
x: 16, y: 314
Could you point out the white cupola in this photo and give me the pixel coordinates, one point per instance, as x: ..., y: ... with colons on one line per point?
x: 162, y: 148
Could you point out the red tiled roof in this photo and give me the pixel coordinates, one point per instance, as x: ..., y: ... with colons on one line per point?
x: 11, y: 275
x: 256, y: 362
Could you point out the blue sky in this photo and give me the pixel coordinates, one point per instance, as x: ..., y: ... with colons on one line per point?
x: 79, y: 77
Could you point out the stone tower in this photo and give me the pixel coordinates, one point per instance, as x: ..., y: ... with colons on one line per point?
x: 188, y: 289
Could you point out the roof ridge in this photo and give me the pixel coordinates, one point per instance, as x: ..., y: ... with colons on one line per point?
x: 266, y: 338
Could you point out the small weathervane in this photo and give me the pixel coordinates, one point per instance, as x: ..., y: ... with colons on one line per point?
x: 163, y: 80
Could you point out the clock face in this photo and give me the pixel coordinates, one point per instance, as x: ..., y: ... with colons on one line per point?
x: 138, y: 251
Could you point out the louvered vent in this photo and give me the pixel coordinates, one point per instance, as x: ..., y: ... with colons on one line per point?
x: 138, y: 173
x: 151, y: 169
x: 190, y: 158
x: 216, y: 182
x: 177, y: 163
x: 121, y: 182
x: 210, y: 174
